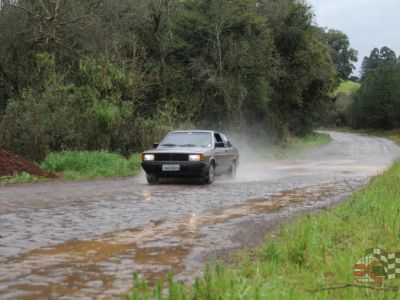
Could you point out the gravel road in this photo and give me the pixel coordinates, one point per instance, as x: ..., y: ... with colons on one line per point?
x: 69, y: 240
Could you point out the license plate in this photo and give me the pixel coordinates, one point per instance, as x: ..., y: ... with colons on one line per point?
x: 171, y: 168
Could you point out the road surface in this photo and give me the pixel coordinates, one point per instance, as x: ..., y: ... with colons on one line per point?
x: 83, y: 240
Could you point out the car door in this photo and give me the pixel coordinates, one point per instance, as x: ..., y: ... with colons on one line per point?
x: 220, y: 155
x: 229, y: 151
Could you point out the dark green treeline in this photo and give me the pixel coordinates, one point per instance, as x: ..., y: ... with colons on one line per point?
x: 116, y: 75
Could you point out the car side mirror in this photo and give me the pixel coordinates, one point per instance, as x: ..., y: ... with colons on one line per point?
x: 155, y: 145
x: 219, y: 145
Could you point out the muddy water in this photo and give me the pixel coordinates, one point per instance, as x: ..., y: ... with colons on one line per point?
x: 83, y: 240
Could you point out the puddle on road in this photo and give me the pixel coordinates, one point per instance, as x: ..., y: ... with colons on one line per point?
x: 103, y: 267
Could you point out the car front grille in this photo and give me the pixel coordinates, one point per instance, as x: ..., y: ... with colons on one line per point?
x: 171, y: 157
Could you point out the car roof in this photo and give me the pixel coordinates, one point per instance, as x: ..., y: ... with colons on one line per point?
x: 197, y: 130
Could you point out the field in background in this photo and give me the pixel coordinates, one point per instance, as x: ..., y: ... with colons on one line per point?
x: 311, y: 259
x: 348, y: 87
x: 344, y: 94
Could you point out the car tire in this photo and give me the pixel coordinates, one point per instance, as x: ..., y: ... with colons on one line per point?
x: 151, y: 179
x: 232, y: 171
x: 210, y: 173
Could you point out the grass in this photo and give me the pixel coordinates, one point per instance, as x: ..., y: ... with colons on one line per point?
x: 311, y: 259
x: 18, y: 178
x: 348, y: 87
x: 95, y: 164
x: 344, y: 94
x: 73, y: 165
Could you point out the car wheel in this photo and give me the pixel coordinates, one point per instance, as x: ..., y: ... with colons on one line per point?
x: 232, y: 171
x: 210, y: 174
x: 151, y: 179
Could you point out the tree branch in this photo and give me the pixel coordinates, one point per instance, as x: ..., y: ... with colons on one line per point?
x: 26, y: 10
x: 348, y: 285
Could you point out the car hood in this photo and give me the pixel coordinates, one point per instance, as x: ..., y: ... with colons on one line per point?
x: 188, y: 150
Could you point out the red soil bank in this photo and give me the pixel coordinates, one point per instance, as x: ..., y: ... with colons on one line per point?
x: 11, y: 164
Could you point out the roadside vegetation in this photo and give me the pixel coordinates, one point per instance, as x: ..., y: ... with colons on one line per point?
x: 73, y: 165
x: 117, y: 75
x: 372, y: 103
x: 316, y: 264
x: 19, y: 178
x: 87, y: 165
x: 336, y: 113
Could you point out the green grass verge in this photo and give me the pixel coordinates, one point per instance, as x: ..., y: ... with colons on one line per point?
x: 91, y: 164
x: 73, y: 165
x: 19, y: 178
x: 311, y: 259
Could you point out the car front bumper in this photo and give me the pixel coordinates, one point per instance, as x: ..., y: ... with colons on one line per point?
x: 187, y: 169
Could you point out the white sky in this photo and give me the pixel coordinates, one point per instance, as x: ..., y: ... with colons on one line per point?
x: 367, y: 23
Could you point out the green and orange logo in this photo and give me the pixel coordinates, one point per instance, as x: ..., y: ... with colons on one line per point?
x: 377, y: 266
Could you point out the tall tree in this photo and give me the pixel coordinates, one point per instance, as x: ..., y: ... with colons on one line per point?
x: 377, y: 104
x: 384, y: 56
x: 343, y: 56
x: 116, y: 74
x: 305, y: 75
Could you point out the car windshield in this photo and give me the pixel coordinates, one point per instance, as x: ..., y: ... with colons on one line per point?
x: 188, y: 139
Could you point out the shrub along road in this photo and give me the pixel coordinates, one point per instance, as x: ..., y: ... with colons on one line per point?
x: 82, y: 239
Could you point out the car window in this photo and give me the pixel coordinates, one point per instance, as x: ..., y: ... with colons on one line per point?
x: 225, y: 140
x: 218, y: 138
x: 188, y: 139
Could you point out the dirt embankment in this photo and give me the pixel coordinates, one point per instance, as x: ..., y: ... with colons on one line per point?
x: 11, y: 164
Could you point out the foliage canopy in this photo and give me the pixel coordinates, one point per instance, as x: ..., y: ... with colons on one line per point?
x: 115, y: 75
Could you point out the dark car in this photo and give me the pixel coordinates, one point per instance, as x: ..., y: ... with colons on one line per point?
x: 197, y: 153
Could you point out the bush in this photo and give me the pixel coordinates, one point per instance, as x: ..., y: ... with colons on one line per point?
x: 85, y: 164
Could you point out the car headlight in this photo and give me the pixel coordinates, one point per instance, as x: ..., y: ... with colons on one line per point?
x: 196, y: 157
x: 148, y: 157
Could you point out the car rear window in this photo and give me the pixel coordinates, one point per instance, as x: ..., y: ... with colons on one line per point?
x: 188, y: 139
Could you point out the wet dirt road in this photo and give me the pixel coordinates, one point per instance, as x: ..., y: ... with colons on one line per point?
x: 69, y: 240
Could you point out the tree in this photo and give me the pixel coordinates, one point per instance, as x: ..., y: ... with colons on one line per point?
x: 384, y: 56
x: 305, y: 75
x: 377, y: 103
x: 125, y: 71
x: 221, y: 44
x: 343, y: 56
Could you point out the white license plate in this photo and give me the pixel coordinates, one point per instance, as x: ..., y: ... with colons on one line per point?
x: 171, y: 168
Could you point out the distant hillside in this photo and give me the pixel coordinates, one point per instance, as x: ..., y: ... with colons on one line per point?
x: 344, y: 94
x: 347, y: 87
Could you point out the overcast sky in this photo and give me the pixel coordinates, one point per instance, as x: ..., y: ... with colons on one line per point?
x: 367, y: 23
